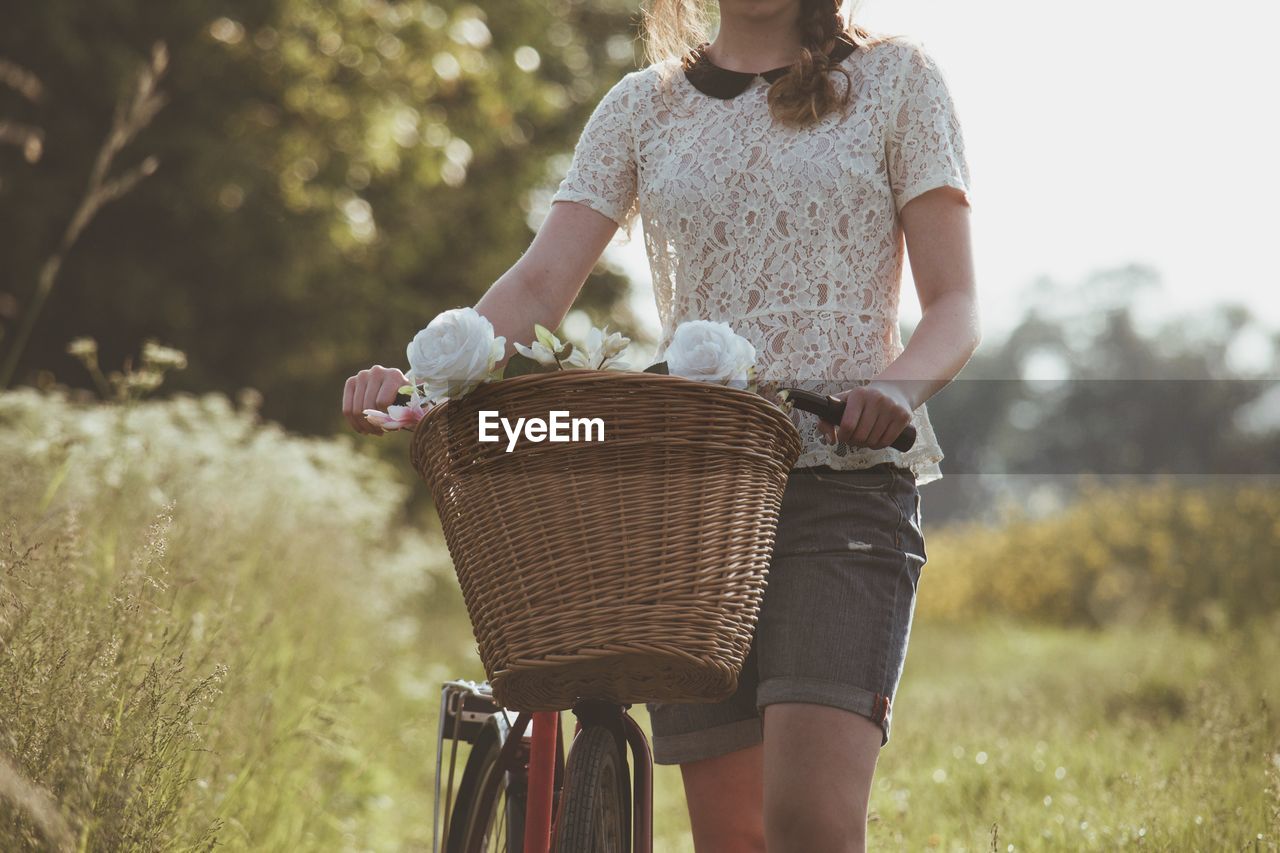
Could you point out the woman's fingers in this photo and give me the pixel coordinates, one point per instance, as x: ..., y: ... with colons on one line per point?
x: 382, y: 388
x: 871, y: 419
x: 351, y: 392
x: 391, y: 382
x: 853, y: 411
x: 877, y: 436
x: 372, y: 388
x: 828, y: 431
x: 365, y: 394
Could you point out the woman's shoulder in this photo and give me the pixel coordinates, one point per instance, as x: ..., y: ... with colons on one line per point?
x: 898, y: 54
x: 647, y: 83
x: 649, y: 76
x: 890, y: 52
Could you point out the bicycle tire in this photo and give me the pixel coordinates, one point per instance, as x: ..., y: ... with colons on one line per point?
x: 596, y: 800
x: 503, y: 826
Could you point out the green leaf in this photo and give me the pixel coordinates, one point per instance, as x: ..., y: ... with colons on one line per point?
x: 660, y: 368
x: 544, y: 336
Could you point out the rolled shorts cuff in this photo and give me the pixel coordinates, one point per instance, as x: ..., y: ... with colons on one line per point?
x: 876, y: 707
x: 707, y: 743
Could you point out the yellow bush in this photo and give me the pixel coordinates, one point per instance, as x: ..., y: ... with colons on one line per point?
x: 1202, y: 554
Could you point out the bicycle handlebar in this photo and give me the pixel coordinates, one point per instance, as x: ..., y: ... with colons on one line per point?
x: 831, y: 409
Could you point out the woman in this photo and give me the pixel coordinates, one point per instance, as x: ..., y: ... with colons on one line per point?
x: 777, y: 200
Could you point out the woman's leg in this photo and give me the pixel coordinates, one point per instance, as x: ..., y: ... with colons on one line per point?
x: 818, y: 764
x: 718, y: 748
x: 833, y: 632
x: 725, y: 795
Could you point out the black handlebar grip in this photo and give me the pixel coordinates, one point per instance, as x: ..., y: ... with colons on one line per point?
x: 831, y: 409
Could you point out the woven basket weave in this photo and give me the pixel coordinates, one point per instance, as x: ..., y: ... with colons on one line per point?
x: 629, y: 570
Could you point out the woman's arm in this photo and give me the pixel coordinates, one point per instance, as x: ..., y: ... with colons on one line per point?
x: 936, y: 226
x: 941, y: 255
x: 542, y: 285
x: 538, y: 288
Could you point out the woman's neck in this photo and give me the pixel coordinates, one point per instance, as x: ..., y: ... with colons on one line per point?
x: 755, y: 44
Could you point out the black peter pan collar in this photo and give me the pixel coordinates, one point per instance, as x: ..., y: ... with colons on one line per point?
x: 711, y: 79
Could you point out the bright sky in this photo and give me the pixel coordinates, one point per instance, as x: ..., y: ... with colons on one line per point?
x: 1103, y: 133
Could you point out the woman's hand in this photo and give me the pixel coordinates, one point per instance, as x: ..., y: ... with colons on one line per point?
x: 874, y: 415
x: 372, y: 388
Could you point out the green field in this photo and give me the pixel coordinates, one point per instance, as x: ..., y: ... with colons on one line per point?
x: 212, y: 631
x: 1037, y: 738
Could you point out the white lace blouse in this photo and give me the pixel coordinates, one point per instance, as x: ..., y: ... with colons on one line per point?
x: 791, y: 236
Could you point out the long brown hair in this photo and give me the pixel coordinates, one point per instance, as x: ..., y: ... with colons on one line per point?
x: 802, y: 96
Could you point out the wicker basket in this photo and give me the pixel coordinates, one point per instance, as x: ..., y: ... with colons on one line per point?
x: 631, y: 569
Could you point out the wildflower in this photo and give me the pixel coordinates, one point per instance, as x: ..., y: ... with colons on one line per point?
x: 83, y: 348
x: 400, y: 417
x: 158, y: 355
x: 547, y: 349
x: 601, y: 350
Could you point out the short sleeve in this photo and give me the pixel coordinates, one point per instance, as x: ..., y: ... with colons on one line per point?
x: 602, y: 174
x: 924, y: 146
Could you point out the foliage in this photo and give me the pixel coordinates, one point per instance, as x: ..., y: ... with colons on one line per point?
x: 1083, y: 384
x: 1124, y: 400
x: 327, y: 173
x: 1203, y: 555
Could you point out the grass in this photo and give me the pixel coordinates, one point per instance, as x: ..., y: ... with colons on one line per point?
x: 1018, y: 737
x: 217, y: 635
x: 1051, y: 739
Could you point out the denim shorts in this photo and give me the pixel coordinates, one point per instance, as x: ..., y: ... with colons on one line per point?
x: 835, y: 616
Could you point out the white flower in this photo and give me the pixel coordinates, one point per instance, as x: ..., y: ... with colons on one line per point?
x: 600, y: 351
x: 83, y: 347
x: 710, y: 351
x: 454, y: 353
x: 547, y: 349
x: 158, y: 355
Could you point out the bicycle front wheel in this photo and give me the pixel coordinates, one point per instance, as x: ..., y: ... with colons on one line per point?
x: 596, y: 800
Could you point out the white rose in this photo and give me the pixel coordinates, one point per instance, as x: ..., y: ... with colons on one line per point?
x: 710, y: 352
x: 454, y: 353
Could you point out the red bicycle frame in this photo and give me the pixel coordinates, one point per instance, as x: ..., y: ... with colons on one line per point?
x: 542, y: 761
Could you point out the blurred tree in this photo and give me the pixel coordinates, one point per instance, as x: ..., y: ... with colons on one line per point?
x: 330, y: 176
x: 1078, y: 387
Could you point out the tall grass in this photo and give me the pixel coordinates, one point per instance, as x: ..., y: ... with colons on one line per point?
x: 213, y: 633
x: 209, y: 633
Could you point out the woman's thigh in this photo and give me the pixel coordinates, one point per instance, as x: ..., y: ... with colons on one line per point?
x: 836, y: 617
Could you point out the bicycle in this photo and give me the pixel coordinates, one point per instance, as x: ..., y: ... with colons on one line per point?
x: 520, y: 792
